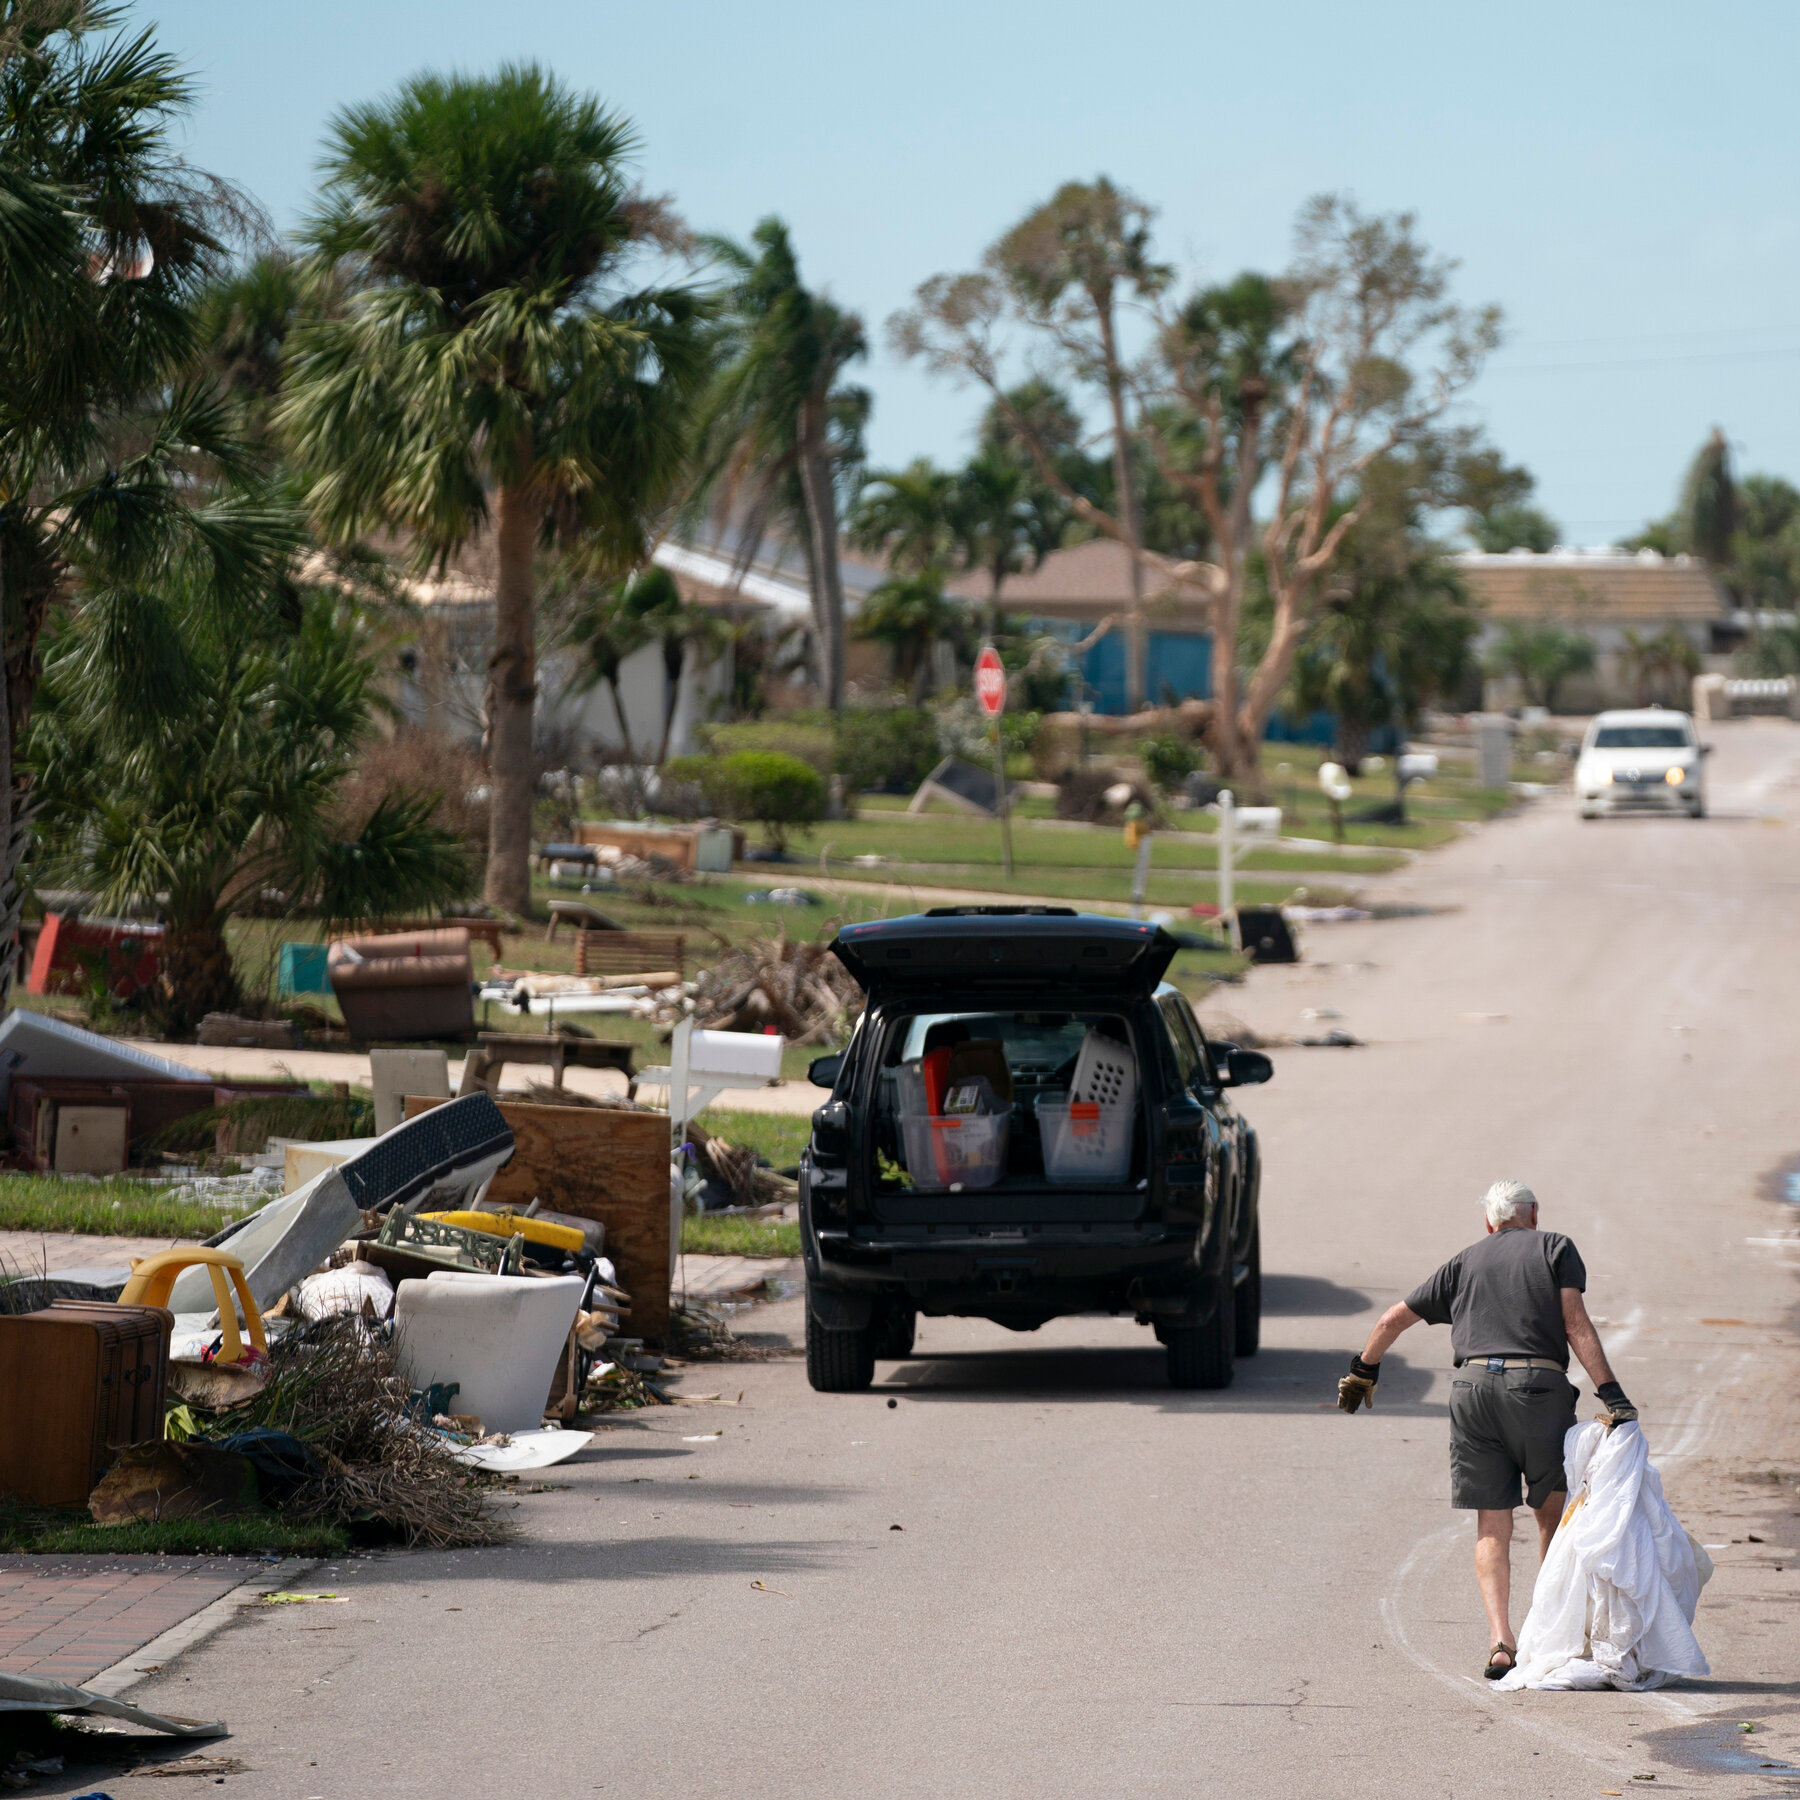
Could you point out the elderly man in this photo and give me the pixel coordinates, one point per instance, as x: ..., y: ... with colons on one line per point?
x: 1513, y: 1302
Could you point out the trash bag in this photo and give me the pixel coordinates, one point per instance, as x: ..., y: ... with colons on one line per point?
x: 282, y: 1463
x: 1614, y: 1601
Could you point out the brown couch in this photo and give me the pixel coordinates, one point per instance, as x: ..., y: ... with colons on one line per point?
x: 416, y: 984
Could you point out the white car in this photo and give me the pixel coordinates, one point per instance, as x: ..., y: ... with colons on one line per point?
x: 1640, y: 761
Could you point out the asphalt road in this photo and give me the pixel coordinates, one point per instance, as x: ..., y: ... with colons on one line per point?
x: 1099, y: 1587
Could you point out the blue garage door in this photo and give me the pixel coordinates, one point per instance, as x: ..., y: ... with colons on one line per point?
x: 1177, y: 666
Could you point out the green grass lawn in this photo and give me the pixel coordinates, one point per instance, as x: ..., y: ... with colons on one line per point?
x: 44, y: 1531
x: 734, y: 1235
x: 112, y: 1206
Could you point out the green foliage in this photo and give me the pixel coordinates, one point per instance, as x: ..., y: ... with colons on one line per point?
x: 1541, y: 657
x: 207, y: 773
x: 1168, y: 761
x: 248, y: 1124
x: 811, y: 742
x: 706, y: 1234
x: 892, y: 748
x: 1659, y: 667
x: 1514, y: 528
x: 780, y: 1137
x: 779, y: 792
x: 1773, y: 651
x: 912, y: 614
x: 1495, y: 496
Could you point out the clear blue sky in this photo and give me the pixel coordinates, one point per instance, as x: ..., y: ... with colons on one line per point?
x: 1620, y: 178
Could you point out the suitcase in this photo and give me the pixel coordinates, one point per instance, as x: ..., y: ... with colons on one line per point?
x: 78, y: 1381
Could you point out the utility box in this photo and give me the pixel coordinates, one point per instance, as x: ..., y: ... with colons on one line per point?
x: 712, y: 851
x: 1493, y: 750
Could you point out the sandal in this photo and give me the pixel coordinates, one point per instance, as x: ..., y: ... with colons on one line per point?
x: 1495, y: 1668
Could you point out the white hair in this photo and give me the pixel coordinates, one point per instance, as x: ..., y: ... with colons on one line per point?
x: 1506, y: 1201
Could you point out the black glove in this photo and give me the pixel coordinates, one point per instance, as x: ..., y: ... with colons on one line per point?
x: 1618, y: 1409
x: 1358, y: 1387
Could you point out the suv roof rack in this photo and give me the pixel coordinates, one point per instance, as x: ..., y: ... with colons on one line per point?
x: 1000, y: 912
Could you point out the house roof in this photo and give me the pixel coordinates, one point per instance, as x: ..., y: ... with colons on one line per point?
x: 1086, y: 581
x: 1595, y: 586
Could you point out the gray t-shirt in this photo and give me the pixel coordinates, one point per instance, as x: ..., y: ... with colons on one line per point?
x: 1503, y: 1295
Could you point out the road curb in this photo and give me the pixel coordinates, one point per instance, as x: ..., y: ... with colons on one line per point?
x: 211, y: 1618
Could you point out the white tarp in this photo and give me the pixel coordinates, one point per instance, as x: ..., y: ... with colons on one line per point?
x: 1614, y: 1602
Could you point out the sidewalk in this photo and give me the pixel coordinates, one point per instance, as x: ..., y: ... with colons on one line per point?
x: 68, y: 1618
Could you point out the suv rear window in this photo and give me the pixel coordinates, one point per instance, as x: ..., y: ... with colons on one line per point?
x: 1642, y: 737
x: 1011, y: 1077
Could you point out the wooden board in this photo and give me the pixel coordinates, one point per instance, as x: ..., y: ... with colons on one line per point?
x: 597, y: 1163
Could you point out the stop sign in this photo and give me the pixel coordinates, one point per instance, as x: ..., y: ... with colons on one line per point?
x: 990, y: 681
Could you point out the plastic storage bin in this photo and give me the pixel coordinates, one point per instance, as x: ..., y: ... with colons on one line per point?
x: 1084, y: 1142
x: 966, y: 1151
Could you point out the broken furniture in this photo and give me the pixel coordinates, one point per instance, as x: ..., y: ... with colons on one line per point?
x: 600, y: 1163
x: 413, y: 985
x: 483, y: 1065
x: 231, y: 1031
x: 82, y: 1379
x: 965, y: 785
x: 579, y: 914
x: 32, y: 1044
x: 153, y: 1280
x: 394, y: 1074
x: 497, y: 1337
x: 695, y: 849
x: 124, y: 954
x: 301, y: 1162
x: 71, y: 1127
x: 481, y: 931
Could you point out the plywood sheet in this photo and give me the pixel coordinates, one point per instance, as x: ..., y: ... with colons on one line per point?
x: 597, y: 1163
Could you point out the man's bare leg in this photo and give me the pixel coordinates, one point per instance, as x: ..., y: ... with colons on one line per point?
x: 1548, y: 1517
x: 1493, y: 1571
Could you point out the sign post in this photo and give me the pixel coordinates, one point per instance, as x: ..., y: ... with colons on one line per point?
x: 990, y: 690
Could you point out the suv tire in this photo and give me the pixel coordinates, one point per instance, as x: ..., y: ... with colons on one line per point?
x: 1200, y: 1355
x: 1246, y: 1334
x: 893, y: 1331
x: 838, y: 1362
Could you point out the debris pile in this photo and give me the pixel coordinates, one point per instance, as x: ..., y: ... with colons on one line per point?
x: 797, y: 988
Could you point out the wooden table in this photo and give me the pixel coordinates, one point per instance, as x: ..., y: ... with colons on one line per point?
x: 495, y: 1049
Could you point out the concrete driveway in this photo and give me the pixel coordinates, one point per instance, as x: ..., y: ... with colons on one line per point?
x: 1023, y: 1567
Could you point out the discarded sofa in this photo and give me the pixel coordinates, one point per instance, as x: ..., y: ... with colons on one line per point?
x: 418, y: 984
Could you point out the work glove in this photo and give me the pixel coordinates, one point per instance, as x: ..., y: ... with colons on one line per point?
x: 1618, y: 1409
x: 1358, y: 1387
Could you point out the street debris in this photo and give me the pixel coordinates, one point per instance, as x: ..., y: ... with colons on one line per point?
x: 213, y: 1768
x: 773, y: 984
x: 33, y: 1693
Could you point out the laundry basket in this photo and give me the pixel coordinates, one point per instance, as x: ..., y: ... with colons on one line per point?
x: 964, y: 1152
x: 1084, y: 1142
x: 1105, y: 1073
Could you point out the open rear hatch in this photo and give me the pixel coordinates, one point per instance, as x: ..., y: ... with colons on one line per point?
x: 1051, y: 955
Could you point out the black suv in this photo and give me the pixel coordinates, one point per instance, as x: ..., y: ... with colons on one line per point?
x: 1027, y: 1122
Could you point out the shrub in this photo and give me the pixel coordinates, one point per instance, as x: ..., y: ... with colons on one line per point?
x: 809, y: 742
x: 1168, y: 761
x: 891, y: 749
x: 776, y: 791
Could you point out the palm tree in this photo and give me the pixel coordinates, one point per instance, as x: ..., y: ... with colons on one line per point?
x: 484, y: 372
x: 1006, y: 520
x: 1541, y: 657
x: 905, y: 516
x: 912, y: 614
x: 676, y: 628
x: 603, y: 630
x: 220, y: 781
x: 780, y: 430
x: 118, y: 472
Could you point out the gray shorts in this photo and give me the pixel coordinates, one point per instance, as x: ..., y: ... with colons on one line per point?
x: 1507, y: 1426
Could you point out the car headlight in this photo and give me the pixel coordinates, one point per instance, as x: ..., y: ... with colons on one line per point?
x: 1601, y: 777
x: 1675, y: 776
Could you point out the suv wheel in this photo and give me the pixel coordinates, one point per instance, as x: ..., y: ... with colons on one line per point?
x: 893, y: 1333
x: 838, y: 1362
x: 1247, y: 1330
x: 1200, y: 1355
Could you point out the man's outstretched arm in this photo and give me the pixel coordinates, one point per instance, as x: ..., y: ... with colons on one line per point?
x: 1358, y: 1387
x: 1584, y: 1340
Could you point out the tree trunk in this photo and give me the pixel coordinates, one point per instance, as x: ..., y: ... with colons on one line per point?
x: 197, y: 975
x: 1228, y: 749
x: 1352, y: 742
x: 511, y: 702
x: 1135, y: 645
x: 674, y: 657
x: 821, y: 526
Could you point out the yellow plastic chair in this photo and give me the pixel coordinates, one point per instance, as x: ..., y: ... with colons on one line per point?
x: 153, y: 1276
